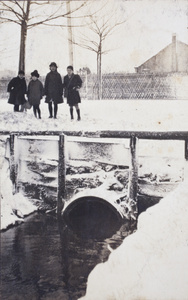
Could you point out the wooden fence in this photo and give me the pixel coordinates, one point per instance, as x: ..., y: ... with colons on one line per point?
x: 128, y: 86
x: 137, y: 86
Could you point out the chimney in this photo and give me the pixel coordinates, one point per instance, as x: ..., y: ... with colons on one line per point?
x: 174, y: 53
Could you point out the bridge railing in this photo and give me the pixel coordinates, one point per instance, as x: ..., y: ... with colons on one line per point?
x: 133, y: 136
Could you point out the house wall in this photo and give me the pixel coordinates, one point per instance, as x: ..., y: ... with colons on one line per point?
x: 173, y: 58
x: 182, y: 57
x: 162, y: 62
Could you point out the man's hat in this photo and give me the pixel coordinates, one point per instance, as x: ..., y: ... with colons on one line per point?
x: 53, y: 64
x: 21, y: 72
x: 70, y: 67
x: 35, y: 73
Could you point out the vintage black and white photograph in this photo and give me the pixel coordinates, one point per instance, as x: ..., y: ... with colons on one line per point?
x: 94, y: 149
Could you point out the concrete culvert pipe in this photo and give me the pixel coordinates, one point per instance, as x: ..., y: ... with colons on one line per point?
x: 92, y: 216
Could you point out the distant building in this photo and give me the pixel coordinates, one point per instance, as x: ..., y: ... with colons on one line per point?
x: 173, y: 58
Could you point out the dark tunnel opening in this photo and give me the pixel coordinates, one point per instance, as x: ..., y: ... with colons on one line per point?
x: 92, y: 217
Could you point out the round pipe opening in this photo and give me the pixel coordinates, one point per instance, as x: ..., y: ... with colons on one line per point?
x: 92, y: 216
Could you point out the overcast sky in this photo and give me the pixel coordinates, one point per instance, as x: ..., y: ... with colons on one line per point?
x: 148, y: 29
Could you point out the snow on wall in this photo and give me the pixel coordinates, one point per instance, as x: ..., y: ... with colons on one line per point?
x: 13, y: 207
x: 151, y: 264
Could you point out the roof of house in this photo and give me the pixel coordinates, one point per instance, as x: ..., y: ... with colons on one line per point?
x: 168, y: 46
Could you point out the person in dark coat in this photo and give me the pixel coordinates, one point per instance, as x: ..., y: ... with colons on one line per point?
x: 72, y: 83
x: 53, y: 89
x: 17, y: 88
x: 35, y: 93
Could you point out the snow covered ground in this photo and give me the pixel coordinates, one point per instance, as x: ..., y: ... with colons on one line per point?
x: 152, y: 263
x: 138, y: 115
x: 13, y: 206
x: 106, y: 115
x: 159, y: 115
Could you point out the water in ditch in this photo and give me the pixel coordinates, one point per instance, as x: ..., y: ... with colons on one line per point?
x: 44, y: 259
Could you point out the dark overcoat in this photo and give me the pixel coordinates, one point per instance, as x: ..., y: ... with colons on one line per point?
x: 71, y: 84
x: 17, y: 89
x: 53, y: 88
x: 35, y: 92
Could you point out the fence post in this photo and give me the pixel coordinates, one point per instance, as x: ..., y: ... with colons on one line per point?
x: 186, y: 160
x: 13, y: 166
x: 133, y: 176
x: 61, y: 175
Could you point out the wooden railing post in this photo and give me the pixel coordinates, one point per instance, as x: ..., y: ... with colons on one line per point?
x: 13, y: 165
x: 133, y: 176
x: 186, y: 160
x: 61, y: 175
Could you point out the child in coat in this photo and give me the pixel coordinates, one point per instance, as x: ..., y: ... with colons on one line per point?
x: 72, y: 83
x: 53, y: 89
x: 17, y: 89
x: 35, y: 93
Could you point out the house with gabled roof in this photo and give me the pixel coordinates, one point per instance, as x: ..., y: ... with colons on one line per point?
x: 173, y: 58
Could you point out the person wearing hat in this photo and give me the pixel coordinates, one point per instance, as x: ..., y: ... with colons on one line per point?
x: 35, y: 93
x: 72, y: 83
x: 53, y: 89
x: 17, y: 88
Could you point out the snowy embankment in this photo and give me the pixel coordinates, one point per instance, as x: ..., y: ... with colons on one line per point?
x: 159, y: 115
x: 96, y: 115
x: 14, y: 207
x: 151, y: 264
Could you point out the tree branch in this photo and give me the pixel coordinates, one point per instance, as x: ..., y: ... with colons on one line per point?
x: 9, y: 20
x: 76, y: 9
x: 16, y: 2
x: 11, y: 10
x: 85, y: 46
x: 53, y: 16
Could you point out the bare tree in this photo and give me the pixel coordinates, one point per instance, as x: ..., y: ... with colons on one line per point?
x: 99, y: 28
x: 28, y: 14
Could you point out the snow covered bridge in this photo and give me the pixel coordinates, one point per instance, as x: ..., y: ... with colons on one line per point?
x: 88, y: 201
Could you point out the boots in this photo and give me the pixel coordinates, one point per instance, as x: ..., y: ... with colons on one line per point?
x: 50, y: 110
x: 39, y: 113
x: 71, y: 113
x: 78, y: 113
x: 55, y: 110
x: 34, y: 111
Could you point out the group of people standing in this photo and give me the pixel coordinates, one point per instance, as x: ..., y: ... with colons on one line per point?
x: 54, y: 89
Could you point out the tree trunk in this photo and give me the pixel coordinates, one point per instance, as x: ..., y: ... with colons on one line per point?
x: 100, y: 77
x: 22, y: 46
x: 70, y: 35
x: 99, y: 73
x: 24, y: 36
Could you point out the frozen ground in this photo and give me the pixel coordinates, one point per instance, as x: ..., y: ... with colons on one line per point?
x: 110, y: 115
x: 159, y: 115
x: 13, y: 207
x: 138, y: 115
x: 151, y: 264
